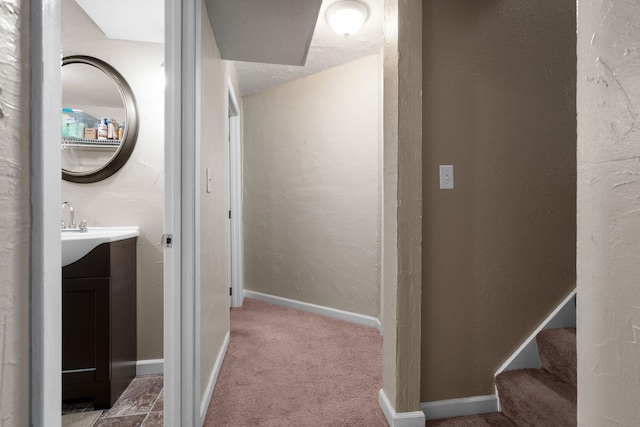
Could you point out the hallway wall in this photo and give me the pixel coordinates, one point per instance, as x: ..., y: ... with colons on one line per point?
x: 498, y: 250
x: 214, y: 242
x: 311, y: 188
x: 608, y: 213
x: 135, y: 194
x: 14, y: 216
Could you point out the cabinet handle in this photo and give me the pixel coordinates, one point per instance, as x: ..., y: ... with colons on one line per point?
x: 75, y: 371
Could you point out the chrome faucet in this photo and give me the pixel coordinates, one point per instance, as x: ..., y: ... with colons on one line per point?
x: 72, y: 223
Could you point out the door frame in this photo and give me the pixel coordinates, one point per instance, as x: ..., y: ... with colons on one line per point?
x: 45, y: 261
x: 234, y: 178
x: 181, y: 356
x: 181, y: 216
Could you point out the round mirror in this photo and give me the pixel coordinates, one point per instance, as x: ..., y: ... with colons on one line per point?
x: 99, y: 119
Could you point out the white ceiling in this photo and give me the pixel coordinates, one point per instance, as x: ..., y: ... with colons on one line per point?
x: 145, y: 22
x: 327, y: 50
x: 138, y: 20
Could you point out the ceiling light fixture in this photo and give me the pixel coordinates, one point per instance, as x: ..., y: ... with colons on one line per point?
x: 346, y: 17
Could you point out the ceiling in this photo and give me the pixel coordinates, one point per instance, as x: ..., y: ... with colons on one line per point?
x: 143, y: 20
x: 276, y: 31
x: 327, y: 50
x: 271, y: 66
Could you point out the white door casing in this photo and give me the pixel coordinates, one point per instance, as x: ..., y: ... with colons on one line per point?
x: 182, y: 50
x: 45, y: 189
x: 235, y: 197
x: 181, y: 262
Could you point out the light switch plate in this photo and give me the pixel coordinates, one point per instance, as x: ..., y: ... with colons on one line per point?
x: 446, y: 177
x: 208, y: 179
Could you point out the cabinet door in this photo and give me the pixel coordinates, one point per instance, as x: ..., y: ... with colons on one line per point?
x: 85, y: 329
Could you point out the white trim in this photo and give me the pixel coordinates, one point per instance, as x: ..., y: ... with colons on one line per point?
x: 172, y: 213
x: 347, y: 316
x: 208, y: 394
x: 150, y: 367
x: 45, y: 259
x: 381, y: 172
x: 526, y: 356
x: 235, y: 194
x: 182, y: 376
x: 460, y: 407
x: 401, y: 419
x: 195, y: 175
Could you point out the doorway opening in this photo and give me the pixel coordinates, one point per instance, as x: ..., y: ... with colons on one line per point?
x: 46, y: 42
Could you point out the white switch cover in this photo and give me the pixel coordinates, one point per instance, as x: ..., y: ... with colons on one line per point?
x: 208, y: 179
x: 446, y: 177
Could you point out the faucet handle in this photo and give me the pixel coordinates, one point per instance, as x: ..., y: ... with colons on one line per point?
x: 72, y: 223
x: 83, y: 225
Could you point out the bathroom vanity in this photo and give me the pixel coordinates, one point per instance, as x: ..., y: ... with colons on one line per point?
x: 98, y: 263
x: 99, y: 323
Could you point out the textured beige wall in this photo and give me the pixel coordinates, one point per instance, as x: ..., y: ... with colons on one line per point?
x: 402, y: 226
x: 14, y: 216
x: 499, y: 251
x: 214, y: 297
x: 311, y: 218
x: 389, y: 244
x: 608, y: 265
x: 135, y: 194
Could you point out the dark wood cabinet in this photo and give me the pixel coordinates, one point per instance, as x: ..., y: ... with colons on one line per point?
x: 99, y: 342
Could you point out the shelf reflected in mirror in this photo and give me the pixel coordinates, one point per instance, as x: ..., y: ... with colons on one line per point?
x: 99, y: 120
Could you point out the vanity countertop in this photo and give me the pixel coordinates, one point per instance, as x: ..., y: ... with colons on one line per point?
x: 75, y: 244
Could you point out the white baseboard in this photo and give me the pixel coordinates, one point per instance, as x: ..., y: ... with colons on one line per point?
x: 460, y: 407
x: 150, y: 366
x: 347, y: 316
x: 208, y: 394
x: 399, y: 419
x: 526, y: 356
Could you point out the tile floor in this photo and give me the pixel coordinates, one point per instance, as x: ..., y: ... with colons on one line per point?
x: 141, y: 405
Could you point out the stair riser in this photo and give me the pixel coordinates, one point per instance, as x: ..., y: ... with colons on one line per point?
x: 557, y: 350
x: 534, y: 417
x: 532, y: 397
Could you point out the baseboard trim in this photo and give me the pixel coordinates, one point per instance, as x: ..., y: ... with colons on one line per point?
x: 399, y: 419
x: 460, y: 407
x: 347, y: 316
x: 527, y: 356
x: 208, y: 394
x: 150, y: 366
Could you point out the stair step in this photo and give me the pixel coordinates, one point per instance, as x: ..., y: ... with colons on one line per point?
x: 557, y: 349
x: 534, y: 397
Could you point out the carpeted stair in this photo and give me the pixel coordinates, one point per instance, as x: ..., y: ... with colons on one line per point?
x: 535, y: 397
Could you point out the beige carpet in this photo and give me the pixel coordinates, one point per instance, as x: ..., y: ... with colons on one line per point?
x: 81, y: 419
x: 286, y: 367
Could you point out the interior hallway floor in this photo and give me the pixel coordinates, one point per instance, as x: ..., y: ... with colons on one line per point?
x: 283, y: 367
x: 286, y: 367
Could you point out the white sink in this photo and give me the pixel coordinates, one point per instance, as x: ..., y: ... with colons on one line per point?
x: 75, y: 244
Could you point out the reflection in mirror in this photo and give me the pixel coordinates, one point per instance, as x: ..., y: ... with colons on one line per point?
x: 88, y: 96
x: 99, y: 119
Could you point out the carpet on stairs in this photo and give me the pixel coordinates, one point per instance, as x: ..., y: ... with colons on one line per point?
x: 557, y: 349
x: 535, y: 397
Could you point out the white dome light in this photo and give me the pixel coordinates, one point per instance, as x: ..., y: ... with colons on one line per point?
x: 346, y: 17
